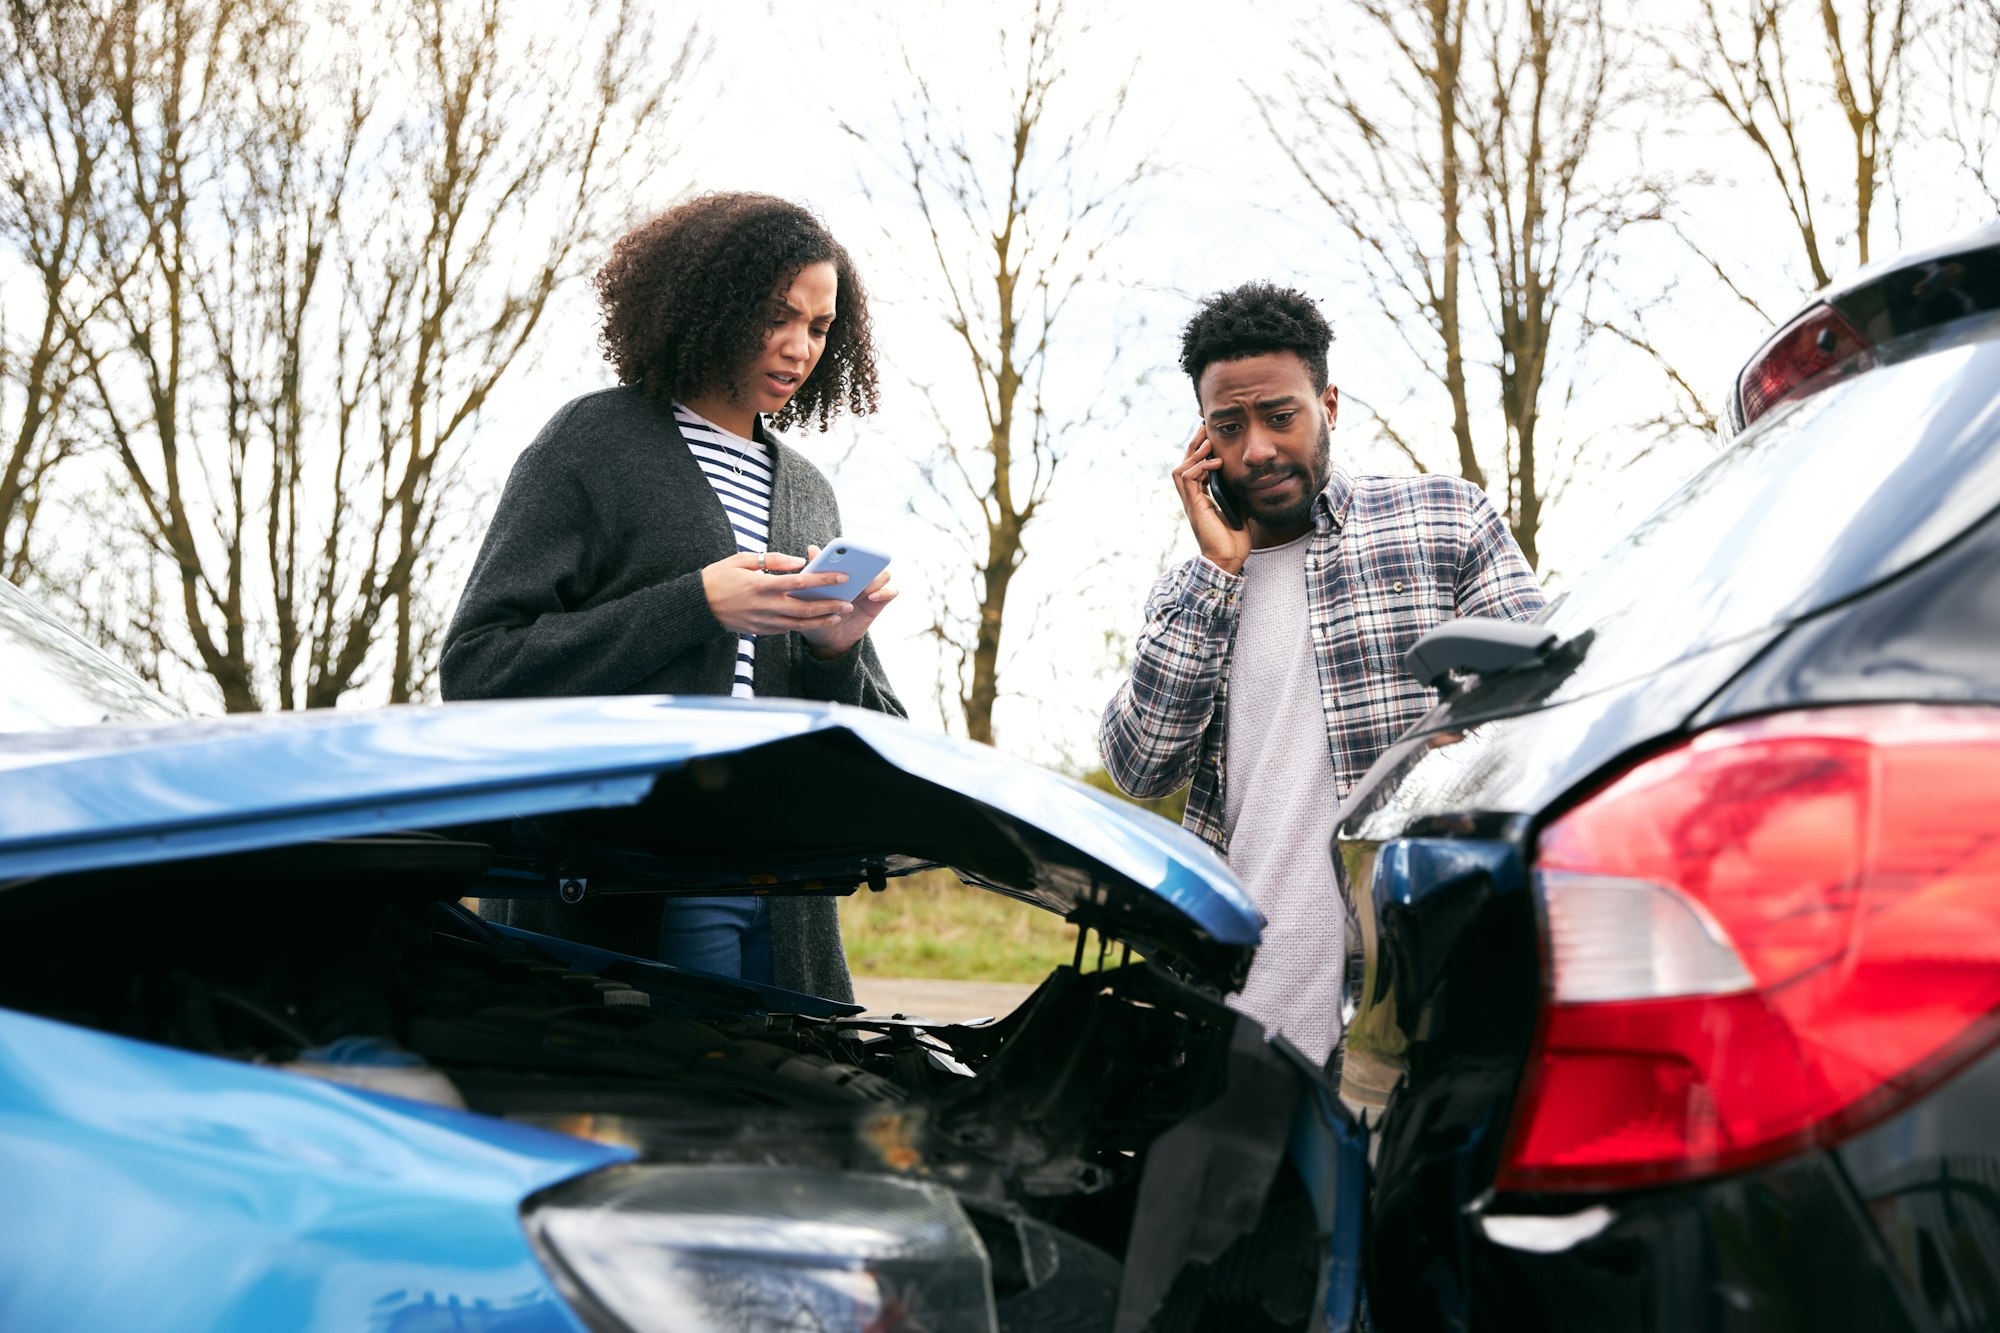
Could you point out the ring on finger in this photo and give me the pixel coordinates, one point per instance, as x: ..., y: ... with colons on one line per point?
x: 762, y: 558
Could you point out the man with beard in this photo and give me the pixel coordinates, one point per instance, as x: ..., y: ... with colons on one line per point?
x: 1269, y: 672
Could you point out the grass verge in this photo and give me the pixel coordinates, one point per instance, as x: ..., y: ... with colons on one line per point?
x: 930, y: 925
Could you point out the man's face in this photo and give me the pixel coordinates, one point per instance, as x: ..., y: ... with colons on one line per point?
x: 1273, y: 432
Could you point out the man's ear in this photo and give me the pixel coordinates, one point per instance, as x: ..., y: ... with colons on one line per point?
x: 1332, y: 400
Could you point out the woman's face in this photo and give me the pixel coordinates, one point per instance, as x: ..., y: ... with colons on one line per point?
x: 793, y: 340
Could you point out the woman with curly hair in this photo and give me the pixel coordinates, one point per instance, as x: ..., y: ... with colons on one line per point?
x: 648, y: 538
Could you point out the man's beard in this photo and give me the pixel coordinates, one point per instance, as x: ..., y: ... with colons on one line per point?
x: 1300, y: 510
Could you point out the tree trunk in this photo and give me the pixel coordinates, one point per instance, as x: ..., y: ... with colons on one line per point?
x: 1447, y: 46
x: 1003, y: 559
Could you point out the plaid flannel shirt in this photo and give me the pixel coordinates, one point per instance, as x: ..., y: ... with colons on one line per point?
x: 1389, y: 558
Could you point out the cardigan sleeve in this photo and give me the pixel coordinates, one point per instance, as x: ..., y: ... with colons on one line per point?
x: 519, y: 630
x: 855, y: 677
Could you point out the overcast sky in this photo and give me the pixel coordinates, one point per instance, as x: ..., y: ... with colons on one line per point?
x: 1223, y: 208
x: 769, y: 109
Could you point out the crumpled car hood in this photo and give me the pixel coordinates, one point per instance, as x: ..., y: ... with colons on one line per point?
x: 629, y: 794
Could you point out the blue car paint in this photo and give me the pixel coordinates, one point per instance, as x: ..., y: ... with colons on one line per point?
x: 1330, y: 1153
x: 95, y: 797
x: 155, y: 1188
x: 1163, y: 856
x: 152, y: 1188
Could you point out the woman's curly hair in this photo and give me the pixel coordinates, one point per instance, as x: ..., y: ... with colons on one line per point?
x: 1256, y: 317
x: 687, y: 300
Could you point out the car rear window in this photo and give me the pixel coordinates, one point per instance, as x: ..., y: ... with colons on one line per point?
x: 1814, y: 504
x: 51, y: 678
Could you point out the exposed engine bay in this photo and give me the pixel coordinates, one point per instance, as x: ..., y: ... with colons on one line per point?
x: 1119, y: 1141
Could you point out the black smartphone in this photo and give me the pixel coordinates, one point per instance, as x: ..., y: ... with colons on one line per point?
x: 1222, y: 504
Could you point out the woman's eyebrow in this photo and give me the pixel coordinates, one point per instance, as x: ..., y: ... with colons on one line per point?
x: 780, y: 303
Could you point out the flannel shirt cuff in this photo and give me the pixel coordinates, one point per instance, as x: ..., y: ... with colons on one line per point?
x: 1209, y: 590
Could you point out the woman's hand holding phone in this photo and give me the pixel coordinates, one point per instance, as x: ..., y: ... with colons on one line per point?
x: 754, y: 594
x: 1224, y: 544
x: 749, y: 594
x: 828, y: 639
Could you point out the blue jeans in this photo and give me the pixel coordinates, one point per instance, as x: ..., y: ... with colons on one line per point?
x: 730, y: 936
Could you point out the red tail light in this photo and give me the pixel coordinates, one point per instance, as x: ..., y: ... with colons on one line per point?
x: 1766, y: 938
x: 1815, y: 351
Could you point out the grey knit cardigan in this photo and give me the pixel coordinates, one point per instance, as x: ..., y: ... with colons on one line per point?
x: 589, y: 582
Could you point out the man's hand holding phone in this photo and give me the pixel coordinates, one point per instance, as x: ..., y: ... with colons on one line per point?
x: 1224, y: 541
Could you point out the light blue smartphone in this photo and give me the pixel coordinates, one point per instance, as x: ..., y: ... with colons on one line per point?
x: 840, y: 556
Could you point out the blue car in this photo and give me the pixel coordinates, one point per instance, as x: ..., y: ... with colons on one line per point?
x: 262, y: 1068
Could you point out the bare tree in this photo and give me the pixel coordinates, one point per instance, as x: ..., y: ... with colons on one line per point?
x: 1967, y: 49
x: 54, y: 127
x: 1548, y: 225
x: 1466, y: 167
x: 1017, y: 213
x: 1782, y: 73
x: 167, y: 69
x: 1386, y: 156
x: 326, y: 291
x: 294, y: 135
x: 517, y: 153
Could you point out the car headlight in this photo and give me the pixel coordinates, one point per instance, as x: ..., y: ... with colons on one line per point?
x: 697, y: 1248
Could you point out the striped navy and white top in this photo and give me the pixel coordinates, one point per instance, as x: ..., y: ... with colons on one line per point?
x: 740, y: 472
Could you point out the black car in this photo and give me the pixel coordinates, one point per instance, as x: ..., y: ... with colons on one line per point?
x: 1680, y: 1002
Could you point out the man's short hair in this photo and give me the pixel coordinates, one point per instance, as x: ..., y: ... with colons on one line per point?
x: 1255, y: 318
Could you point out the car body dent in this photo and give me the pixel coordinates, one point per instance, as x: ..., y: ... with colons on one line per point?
x: 328, y: 1207
x: 97, y: 797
